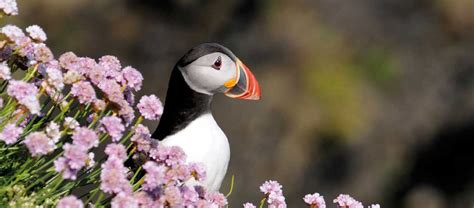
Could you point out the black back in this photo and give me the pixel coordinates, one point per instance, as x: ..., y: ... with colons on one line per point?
x: 183, y: 104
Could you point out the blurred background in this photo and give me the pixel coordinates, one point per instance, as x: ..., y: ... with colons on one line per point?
x: 371, y: 97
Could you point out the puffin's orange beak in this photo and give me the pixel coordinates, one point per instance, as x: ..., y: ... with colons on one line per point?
x: 244, y: 85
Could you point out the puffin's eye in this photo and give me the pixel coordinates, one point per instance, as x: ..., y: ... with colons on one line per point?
x: 217, y: 64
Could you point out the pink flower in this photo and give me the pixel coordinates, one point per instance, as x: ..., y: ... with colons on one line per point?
x: 60, y: 165
x: 126, y: 112
x: 36, y: 33
x: 178, y: 174
x: 21, y: 89
x: 70, y: 123
x: 274, y: 193
x: 42, y: 53
x: 117, y: 151
x: 74, y: 159
x: 86, y: 137
x: 197, y: 171
x: 10, y: 133
x: 114, y: 177
x: 112, y: 90
x: 374, y: 206
x: 54, y: 77
x: 173, y: 196
x: 25, y: 93
x: 132, y: 77
x: 113, y: 126
x: 141, y: 131
x: 76, y: 155
x: 39, y: 144
x: 69, y: 61
x: 111, y: 66
x: 31, y: 102
x: 53, y: 132
x: 53, y: 93
x: 155, y: 175
x: 315, y: 199
x: 70, y: 202
x: 144, y: 200
x: 205, y: 204
x: 171, y: 156
x: 150, y: 107
x: 270, y: 186
x: 9, y: 7
x: 141, y: 138
x: 99, y: 105
x: 96, y: 75
x: 71, y: 77
x: 249, y: 205
x: 5, y: 73
x: 86, y: 65
x: 13, y: 33
x: 276, y: 200
x: 189, y: 195
x: 84, y: 91
x: 123, y: 200
x: 217, y: 198
x: 159, y: 153
x: 346, y: 201
x: 26, y: 48
x: 110, y: 63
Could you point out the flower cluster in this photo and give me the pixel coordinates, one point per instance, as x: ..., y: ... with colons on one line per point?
x: 10, y: 133
x: 39, y: 144
x: 25, y: 93
x: 113, y: 126
x: 62, y: 111
x: 114, y: 173
x: 55, y: 113
x: 346, y: 201
x: 8, y: 7
x: 150, y: 107
x: 274, y: 198
x: 315, y: 200
x: 274, y: 194
x: 167, y: 179
x: 76, y: 155
x: 102, y: 93
x: 70, y: 202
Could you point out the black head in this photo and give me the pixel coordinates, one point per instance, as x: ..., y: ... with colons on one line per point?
x: 204, y: 70
x: 202, y: 50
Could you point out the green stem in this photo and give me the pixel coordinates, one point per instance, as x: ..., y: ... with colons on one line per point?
x: 39, y: 180
x: 231, y: 187
x: 48, y: 163
x: 94, y: 192
x: 135, y: 175
x: 262, y: 202
x: 97, y: 202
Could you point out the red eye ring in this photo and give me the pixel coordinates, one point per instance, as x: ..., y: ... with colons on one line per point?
x: 217, y: 64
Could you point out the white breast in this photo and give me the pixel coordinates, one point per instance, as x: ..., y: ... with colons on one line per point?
x: 203, y: 141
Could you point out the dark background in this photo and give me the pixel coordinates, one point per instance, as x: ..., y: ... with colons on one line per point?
x: 371, y: 97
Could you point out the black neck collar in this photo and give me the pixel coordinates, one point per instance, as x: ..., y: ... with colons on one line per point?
x: 182, y: 106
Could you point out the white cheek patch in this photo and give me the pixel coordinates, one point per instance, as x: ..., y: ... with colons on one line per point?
x: 207, y: 80
x: 191, y: 83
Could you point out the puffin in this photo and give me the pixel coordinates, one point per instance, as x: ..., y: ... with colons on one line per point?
x: 187, y: 122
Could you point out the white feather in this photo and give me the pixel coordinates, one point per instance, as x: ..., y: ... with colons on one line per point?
x: 203, y: 141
